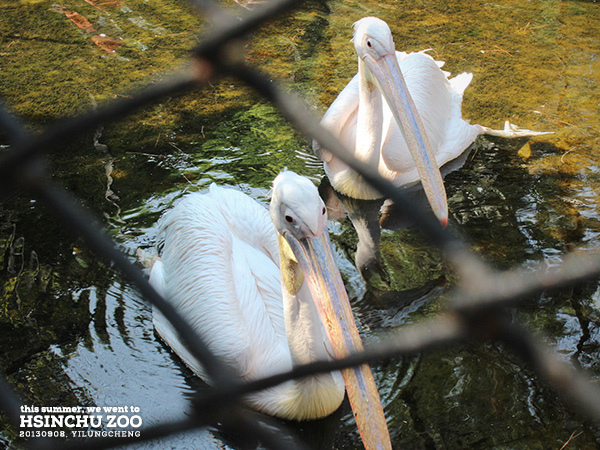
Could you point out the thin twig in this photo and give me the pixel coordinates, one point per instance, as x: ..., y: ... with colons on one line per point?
x: 573, y: 436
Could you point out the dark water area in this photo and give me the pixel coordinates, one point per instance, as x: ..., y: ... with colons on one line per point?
x: 73, y: 332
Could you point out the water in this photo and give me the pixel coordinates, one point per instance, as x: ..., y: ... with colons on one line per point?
x: 72, y: 332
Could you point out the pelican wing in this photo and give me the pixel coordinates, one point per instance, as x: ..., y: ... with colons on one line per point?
x: 459, y: 133
x: 438, y: 101
x: 219, y: 268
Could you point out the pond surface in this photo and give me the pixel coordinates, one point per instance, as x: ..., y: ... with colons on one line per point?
x: 72, y: 332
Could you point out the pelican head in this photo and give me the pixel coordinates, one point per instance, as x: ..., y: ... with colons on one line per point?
x: 373, y: 38
x: 378, y: 64
x: 300, y: 218
x: 296, y: 207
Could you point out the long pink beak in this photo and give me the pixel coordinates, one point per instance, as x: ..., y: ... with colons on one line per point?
x: 388, y: 77
x: 316, y: 260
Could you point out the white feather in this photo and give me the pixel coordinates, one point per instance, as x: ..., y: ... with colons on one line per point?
x: 220, y: 270
x: 438, y: 101
x: 222, y: 245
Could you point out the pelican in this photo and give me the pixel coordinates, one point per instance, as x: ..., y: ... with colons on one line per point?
x: 262, y: 289
x: 401, y: 115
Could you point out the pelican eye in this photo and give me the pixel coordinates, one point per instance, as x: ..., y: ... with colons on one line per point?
x: 324, y: 210
x: 290, y: 219
x: 369, y: 44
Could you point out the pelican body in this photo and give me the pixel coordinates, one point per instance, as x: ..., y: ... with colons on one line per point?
x: 263, y: 291
x: 401, y: 115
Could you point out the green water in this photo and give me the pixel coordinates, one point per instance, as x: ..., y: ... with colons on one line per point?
x: 73, y: 333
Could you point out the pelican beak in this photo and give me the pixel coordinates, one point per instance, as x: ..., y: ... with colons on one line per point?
x: 315, y: 258
x: 388, y: 78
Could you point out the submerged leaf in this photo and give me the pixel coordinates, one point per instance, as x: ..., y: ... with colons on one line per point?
x: 107, y: 44
x: 78, y: 20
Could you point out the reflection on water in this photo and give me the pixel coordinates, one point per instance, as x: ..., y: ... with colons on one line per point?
x: 73, y: 333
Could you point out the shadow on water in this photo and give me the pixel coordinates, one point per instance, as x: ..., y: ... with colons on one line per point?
x: 73, y: 333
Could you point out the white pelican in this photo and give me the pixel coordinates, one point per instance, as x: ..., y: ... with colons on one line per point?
x: 258, y: 290
x: 402, y: 115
